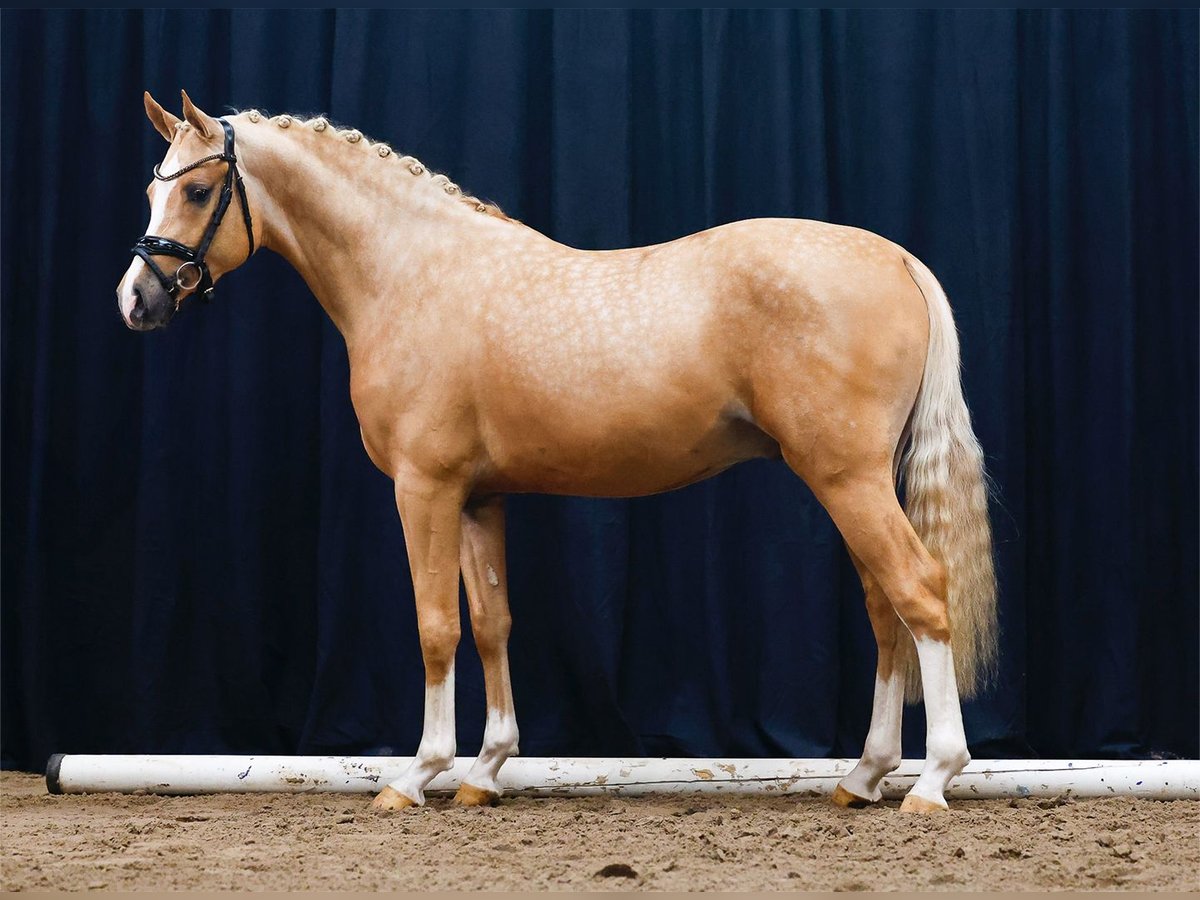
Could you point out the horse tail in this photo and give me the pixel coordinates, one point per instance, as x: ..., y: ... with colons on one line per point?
x: 946, y: 499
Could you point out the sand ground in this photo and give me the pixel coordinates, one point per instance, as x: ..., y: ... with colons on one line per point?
x: 328, y: 841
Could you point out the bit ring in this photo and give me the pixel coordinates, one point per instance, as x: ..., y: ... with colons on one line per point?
x: 179, y: 282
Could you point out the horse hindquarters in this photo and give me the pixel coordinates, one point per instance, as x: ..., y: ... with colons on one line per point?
x: 933, y: 565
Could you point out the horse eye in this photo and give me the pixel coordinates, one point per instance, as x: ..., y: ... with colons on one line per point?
x: 198, y: 194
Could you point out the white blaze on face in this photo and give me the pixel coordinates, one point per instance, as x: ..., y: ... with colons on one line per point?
x: 160, y: 193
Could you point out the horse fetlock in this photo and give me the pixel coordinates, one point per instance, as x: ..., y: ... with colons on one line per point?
x: 862, y: 782
x: 949, y: 753
x: 436, y: 760
x: 880, y: 759
x: 504, y: 741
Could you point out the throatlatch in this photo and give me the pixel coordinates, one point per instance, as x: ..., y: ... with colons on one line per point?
x: 149, y: 245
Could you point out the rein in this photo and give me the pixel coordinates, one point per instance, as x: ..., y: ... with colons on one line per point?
x: 149, y: 245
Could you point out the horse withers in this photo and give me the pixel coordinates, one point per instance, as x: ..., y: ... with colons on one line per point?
x: 606, y: 374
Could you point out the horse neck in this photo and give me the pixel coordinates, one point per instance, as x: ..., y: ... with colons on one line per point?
x: 359, y: 228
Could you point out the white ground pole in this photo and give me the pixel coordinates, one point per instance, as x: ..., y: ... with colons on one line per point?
x: 1174, y: 779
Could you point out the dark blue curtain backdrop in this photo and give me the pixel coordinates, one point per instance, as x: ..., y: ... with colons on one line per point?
x: 199, y: 557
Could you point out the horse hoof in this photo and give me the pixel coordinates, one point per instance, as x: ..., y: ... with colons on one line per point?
x: 914, y: 804
x: 469, y: 795
x: 390, y: 800
x: 847, y: 800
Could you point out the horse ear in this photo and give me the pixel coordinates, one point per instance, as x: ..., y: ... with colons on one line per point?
x: 206, y: 126
x: 164, y: 122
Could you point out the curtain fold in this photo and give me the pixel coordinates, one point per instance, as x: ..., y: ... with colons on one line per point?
x: 197, y: 555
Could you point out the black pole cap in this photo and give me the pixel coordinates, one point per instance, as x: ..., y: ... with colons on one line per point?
x: 53, y: 764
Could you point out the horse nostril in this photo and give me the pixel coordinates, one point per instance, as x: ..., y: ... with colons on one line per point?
x: 139, y: 308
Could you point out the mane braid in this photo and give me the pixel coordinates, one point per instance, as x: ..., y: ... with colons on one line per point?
x: 381, y: 149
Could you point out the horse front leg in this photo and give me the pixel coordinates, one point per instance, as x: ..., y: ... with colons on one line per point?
x: 485, y: 576
x: 430, y: 512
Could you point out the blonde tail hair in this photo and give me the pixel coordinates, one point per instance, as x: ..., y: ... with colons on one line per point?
x: 946, y: 499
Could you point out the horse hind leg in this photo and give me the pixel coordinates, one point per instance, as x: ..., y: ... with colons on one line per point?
x: 862, y: 502
x: 868, y: 514
x: 881, y: 750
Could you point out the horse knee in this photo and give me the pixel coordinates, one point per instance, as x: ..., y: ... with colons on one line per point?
x: 439, y: 640
x: 491, y: 631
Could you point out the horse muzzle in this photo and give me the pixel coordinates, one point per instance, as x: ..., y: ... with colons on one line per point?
x: 145, y: 305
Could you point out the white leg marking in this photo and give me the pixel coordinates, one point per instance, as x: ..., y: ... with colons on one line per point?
x: 436, y: 752
x: 881, y: 751
x: 500, y: 738
x: 945, y: 741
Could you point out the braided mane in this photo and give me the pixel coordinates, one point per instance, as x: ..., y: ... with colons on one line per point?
x: 380, y: 149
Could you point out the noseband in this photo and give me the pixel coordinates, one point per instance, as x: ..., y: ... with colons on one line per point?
x: 193, y: 274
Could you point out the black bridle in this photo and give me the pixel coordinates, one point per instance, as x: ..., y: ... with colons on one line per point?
x: 149, y: 245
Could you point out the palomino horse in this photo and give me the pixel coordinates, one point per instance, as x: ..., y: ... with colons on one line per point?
x: 486, y: 358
